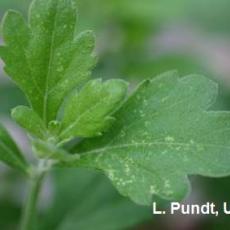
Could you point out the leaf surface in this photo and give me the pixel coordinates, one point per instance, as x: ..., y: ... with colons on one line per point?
x: 44, y: 56
x: 162, y: 134
x: 89, y: 112
x: 29, y: 120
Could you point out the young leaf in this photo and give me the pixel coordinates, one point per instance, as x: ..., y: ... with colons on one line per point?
x: 29, y: 120
x: 89, y: 112
x: 54, y: 127
x: 45, y: 58
x: 9, y: 152
x: 162, y: 134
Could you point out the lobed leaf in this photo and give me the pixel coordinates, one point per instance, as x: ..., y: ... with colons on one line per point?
x: 45, y: 57
x: 162, y: 134
x: 89, y: 112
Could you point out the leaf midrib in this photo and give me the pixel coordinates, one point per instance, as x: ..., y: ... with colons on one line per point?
x: 49, y: 68
x: 139, y: 144
x: 82, y: 115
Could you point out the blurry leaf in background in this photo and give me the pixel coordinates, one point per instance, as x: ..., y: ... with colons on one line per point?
x: 13, y: 4
x: 86, y: 200
x: 9, y: 215
x: 149, y: 68
x: 10, y: 96
x: 216, y: 191
x: 9, y: 152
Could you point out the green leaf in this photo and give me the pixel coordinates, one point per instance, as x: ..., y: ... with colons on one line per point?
x: 29, y: 120
x: 9, y: 152
x: 162, y: 134
x: 89, y: 112
x: 45, y: 57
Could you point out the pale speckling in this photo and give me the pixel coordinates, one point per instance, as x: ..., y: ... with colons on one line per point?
x: 145, y: 102
x: 127, y: 169
x: 167, y: 184
x: 168, y: 192
x: 164, y: 99
x: 122, y: 133
x: 110, y: 174
x: 145, y: 134
x: 133, y: 142
x: 169, y: 139
x: 60, y: 69
x: 121, y: 182
x: 192, y: 142
x: 153, y: 189
x: 185, y: 158
x: 142, y: 114
x: 130, y: 161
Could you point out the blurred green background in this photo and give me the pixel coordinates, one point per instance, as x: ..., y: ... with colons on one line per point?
x: 135, y: 40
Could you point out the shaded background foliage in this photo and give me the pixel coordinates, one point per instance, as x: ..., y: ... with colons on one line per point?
x: 135, y: 40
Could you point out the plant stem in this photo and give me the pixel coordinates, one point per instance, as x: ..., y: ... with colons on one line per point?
x: 29, y: 211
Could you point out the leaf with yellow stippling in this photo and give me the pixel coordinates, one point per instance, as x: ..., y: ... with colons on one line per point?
x: 162, y: 134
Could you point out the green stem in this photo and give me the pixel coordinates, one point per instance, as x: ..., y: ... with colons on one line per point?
x: 29, y: 211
